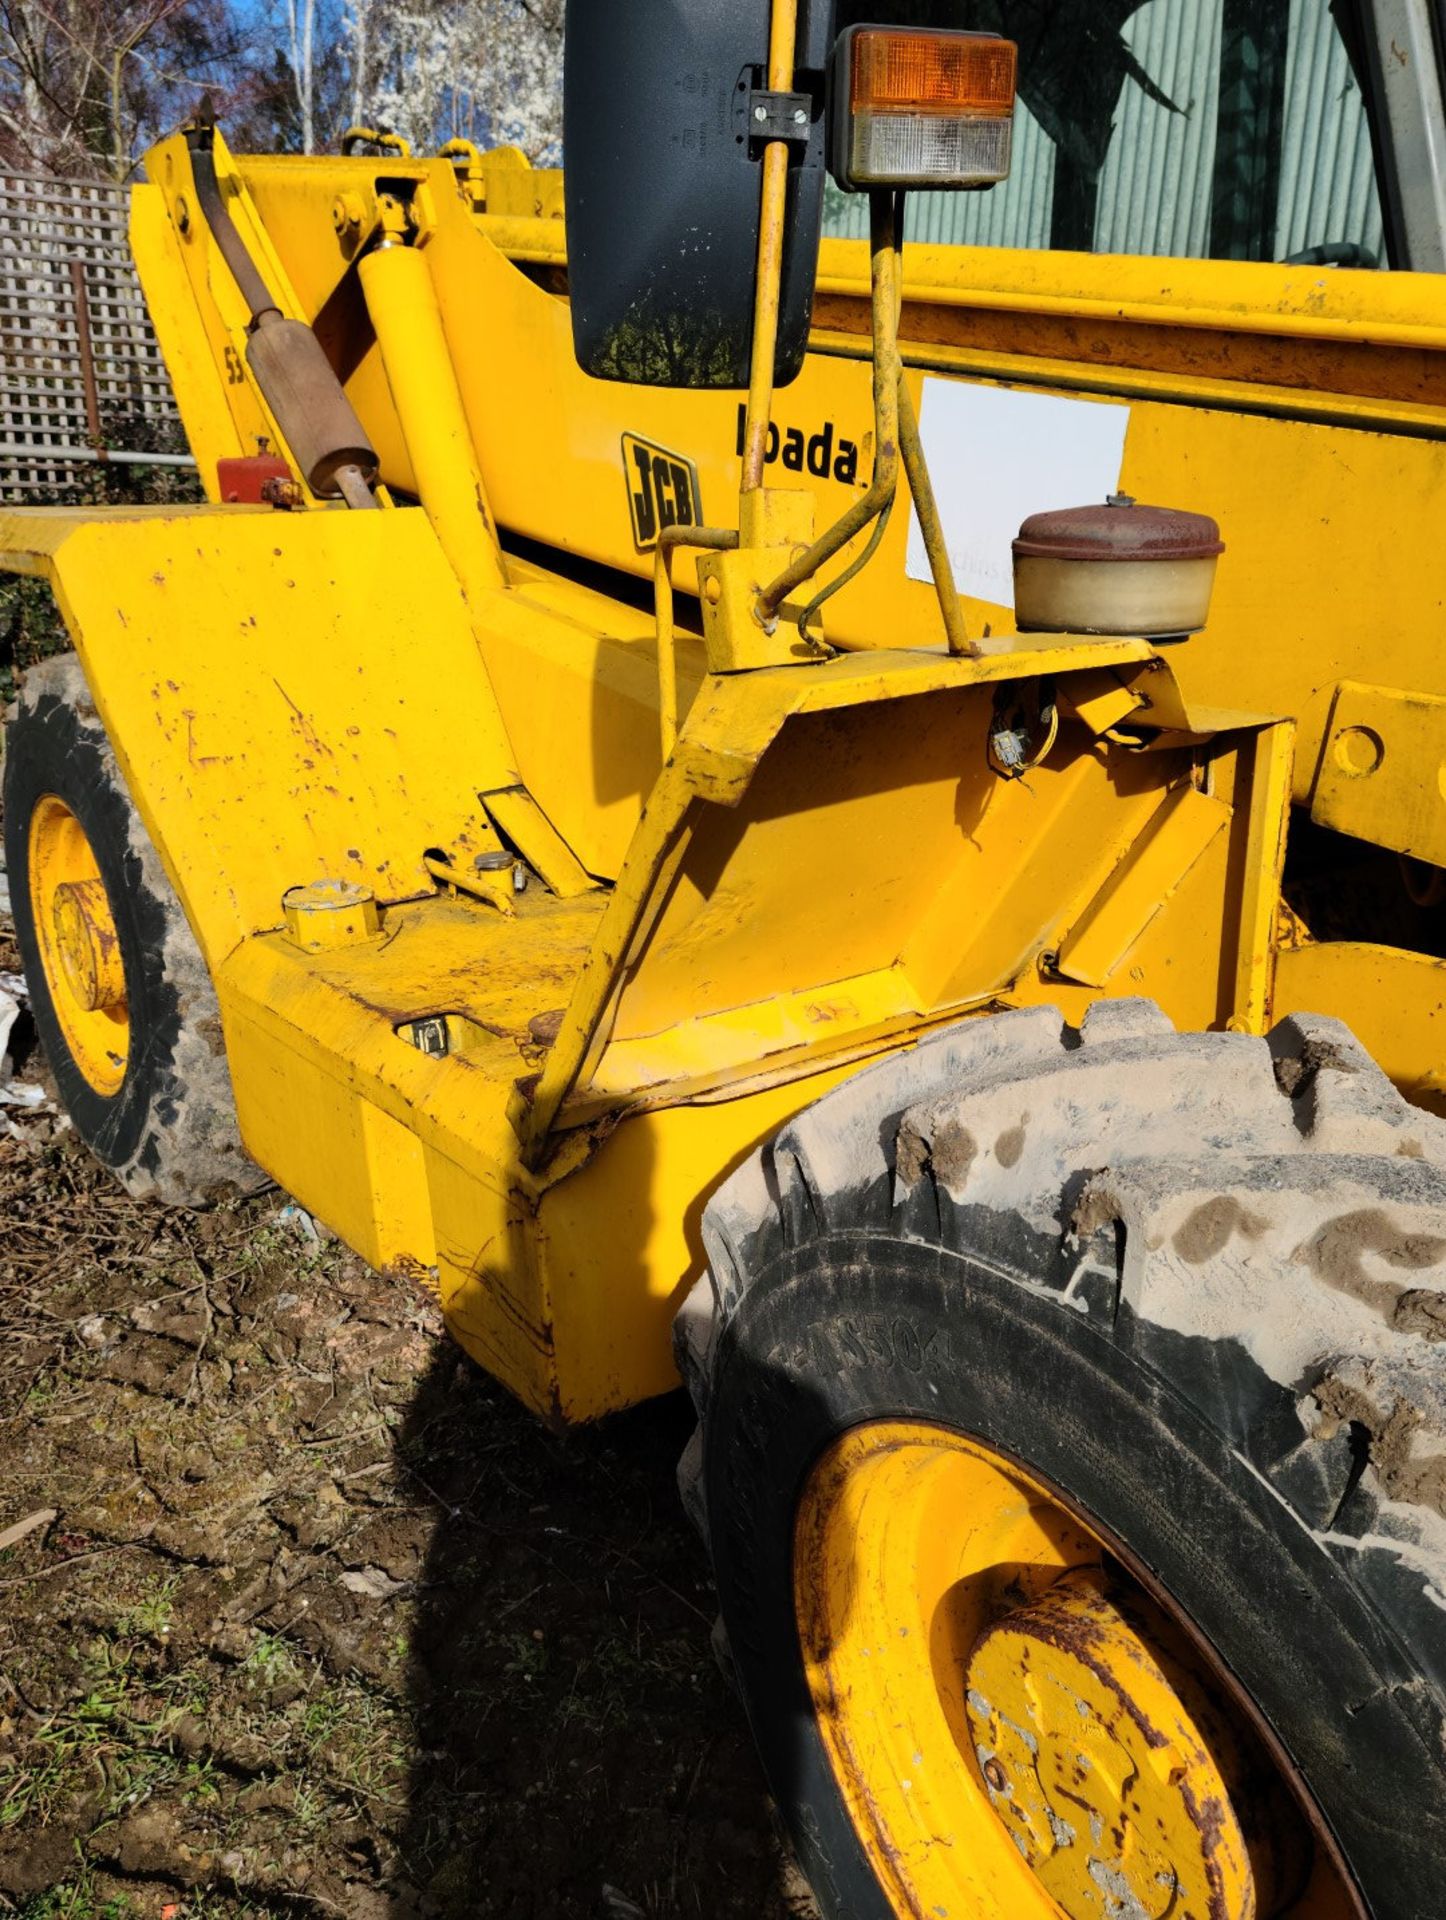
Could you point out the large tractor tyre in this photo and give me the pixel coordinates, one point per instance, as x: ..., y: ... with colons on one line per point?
x: 123, y: 1002
x: 1073, y: 1461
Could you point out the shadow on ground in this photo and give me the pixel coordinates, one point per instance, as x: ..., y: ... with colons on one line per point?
x: 306, y: 1617
x: 574, y: 1733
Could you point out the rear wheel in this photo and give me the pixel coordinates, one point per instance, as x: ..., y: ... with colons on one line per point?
x: 1073, y: 1461
x: 122, y: 998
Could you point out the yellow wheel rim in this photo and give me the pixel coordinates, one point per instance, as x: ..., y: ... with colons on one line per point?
x: 1018, y: 1731
x: 79, y: 946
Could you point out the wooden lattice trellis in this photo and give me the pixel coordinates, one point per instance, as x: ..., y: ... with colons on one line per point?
x: 80, y: 370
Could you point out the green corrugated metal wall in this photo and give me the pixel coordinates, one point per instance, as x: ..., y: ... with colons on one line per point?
x: 1155, y: 190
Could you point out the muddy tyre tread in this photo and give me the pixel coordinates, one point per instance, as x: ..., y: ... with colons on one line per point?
x: 1252, y: 1230
x: 171, y: 1134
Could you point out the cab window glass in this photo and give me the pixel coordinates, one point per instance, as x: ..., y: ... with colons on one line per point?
x: 1225, y: 129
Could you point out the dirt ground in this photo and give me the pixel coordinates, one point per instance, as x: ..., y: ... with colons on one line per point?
x: 310, y: 1618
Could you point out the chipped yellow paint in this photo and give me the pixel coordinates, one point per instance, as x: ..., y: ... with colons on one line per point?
x: 1106, y: 1761
x: 325, y: 914
x: 259, y: 676
x: 90, y: 955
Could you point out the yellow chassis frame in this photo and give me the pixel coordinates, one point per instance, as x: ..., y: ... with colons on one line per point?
x: 615, y: 1051
x: 820, y: 867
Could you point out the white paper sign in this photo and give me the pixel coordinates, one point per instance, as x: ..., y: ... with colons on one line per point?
x: 997, y: 456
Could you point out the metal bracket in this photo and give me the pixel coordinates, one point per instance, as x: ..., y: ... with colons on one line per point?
x: 779, y: 116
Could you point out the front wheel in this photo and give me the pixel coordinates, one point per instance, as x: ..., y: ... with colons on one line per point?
x: 1073, y: 1422
x: 123, y: 1002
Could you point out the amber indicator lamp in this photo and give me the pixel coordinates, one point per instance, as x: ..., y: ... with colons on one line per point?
x: 916, y: 108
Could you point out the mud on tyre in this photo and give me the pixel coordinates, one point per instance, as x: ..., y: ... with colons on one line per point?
x: 1189, y: 1289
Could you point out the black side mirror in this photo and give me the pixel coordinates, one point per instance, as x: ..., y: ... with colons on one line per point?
x: 666, y: 116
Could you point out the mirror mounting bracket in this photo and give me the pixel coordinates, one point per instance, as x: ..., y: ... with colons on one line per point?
x: 780, y: 116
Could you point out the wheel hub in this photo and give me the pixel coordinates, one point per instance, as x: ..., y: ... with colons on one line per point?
x: 1111, y: 1774
x: 80, y: 950
x: 88, y: 945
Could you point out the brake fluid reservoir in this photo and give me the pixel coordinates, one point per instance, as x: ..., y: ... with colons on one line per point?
x: 1115, y: 568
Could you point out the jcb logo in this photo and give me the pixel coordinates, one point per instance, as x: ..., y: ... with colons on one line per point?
x: 662, y: 489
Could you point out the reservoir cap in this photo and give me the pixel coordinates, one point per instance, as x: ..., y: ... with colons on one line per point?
x: 1119, y: 529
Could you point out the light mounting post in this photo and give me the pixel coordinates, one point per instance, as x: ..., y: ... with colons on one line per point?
x: 908, y: 107
x: 782, y: 45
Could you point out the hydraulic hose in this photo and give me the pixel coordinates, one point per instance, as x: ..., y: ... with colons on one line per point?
x: 200, y: 139
x: 287, y: 361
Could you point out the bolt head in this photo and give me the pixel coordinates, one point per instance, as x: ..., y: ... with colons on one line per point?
x: 800, y: 117
x: 760, y: 113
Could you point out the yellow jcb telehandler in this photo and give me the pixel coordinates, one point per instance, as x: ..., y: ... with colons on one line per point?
x: 952, y: 966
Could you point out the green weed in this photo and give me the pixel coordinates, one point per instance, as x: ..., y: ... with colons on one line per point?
x: 150, y: 1618
x: 270, y: 1660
